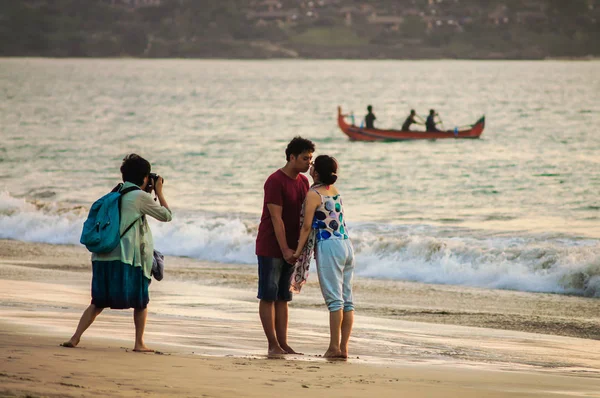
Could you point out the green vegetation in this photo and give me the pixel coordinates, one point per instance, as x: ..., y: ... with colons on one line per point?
x: 334, y: 36
x: 515, y: 29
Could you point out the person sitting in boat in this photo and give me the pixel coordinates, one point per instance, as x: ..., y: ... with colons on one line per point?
x: 370, y: 118
x: 430, y: 123
x: 410, y: 120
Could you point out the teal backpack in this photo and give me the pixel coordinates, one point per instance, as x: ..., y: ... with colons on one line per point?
x: 101, y: 228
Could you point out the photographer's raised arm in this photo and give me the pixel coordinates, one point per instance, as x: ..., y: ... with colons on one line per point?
x: 150, y: 207
x: 158, y: 189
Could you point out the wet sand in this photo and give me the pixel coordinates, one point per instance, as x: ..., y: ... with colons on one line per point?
x: 409, y: 338
x: 33, y: 366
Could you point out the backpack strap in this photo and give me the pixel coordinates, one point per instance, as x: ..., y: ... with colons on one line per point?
x: 123, y: 192
x: 117, y: 188
x: 131, y: 225
x: 127, y: 190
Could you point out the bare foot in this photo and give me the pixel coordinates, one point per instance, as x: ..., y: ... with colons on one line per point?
x: 276, y: 352
x: 289, y: 350
x: 70, y: 344
x: 332, y: 353
x: 142, y: 348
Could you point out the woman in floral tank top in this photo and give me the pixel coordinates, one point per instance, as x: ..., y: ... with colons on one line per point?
x: 333, y: 251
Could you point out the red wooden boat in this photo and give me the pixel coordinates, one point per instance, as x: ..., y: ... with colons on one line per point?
x: 362, y: 134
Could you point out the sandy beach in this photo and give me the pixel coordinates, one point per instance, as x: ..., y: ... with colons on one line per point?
x: 410, y: 339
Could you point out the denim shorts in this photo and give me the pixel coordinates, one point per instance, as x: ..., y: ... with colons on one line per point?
x: 274, y: 277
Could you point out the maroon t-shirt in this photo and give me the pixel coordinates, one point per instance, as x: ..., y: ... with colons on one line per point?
x: 288, y: 193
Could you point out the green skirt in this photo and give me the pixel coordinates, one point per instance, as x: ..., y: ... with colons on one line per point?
x: 119, y: 286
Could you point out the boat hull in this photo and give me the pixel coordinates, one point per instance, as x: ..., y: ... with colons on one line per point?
x: 362, y: 134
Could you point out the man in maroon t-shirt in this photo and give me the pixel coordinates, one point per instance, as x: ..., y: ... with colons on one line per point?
x: 277, y: 239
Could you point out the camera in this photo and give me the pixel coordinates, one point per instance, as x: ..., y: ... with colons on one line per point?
x: 152, y: 178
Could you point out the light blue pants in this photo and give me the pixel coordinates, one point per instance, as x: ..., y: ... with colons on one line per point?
x: 335, y: 267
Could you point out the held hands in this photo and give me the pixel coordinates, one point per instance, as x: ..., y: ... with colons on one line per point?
x: 289, y: 256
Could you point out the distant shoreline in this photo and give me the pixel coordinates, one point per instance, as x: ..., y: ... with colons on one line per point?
x: 586, y: 58
x: 467, y: 30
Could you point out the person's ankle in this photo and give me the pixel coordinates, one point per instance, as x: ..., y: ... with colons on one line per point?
x: 274, y: 346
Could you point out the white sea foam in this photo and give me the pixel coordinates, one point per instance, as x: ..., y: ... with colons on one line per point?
x: 201, y: 236
x: 526, y: 264
x: 414, y: 253
x: 206, y: 238
x: 31, y: 222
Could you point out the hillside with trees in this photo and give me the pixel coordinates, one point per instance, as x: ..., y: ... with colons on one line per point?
x: 378, y: 29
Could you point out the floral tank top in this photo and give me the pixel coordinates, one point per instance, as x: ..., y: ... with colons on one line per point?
x: 329, y: 222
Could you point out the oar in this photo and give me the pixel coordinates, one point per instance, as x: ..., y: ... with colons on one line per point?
x: 441, y: 122
x: 419, y: 116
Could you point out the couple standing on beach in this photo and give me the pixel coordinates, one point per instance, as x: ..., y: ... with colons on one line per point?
x: 296, y: 218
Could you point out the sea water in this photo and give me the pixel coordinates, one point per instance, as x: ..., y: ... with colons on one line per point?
x: 517, y: 209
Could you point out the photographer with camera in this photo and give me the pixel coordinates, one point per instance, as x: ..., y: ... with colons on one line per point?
x: 120, y: 278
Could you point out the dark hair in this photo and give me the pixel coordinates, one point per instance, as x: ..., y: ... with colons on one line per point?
x: 412, y: 111
x: 298, y: 145
x: 431, y: 111
x: 134, y: 168
x: 369, y: 108
x: 326, y: 166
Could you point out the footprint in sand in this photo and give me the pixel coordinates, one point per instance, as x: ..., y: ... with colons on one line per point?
x: 71, y: 385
